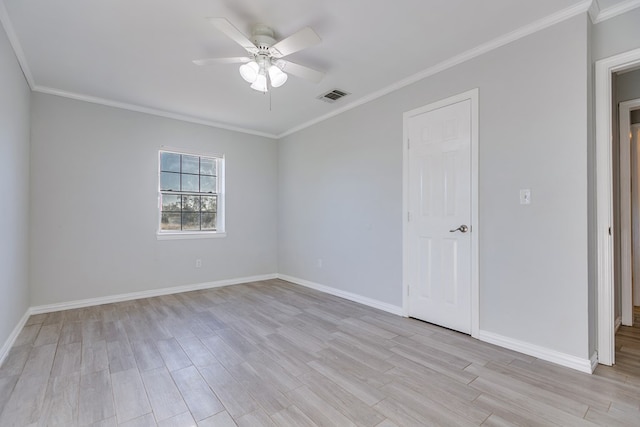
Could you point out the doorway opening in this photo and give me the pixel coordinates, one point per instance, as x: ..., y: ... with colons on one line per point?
x: 608, y: 220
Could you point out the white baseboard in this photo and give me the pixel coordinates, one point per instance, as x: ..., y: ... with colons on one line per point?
x: 618, y: 323
x: 4, y: 351
x: 563, y: 359
x: 594, y: 361
x: 390, y: 308
x: 48, y: 308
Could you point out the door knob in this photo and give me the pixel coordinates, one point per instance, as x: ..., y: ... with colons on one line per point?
x: 463, y: 229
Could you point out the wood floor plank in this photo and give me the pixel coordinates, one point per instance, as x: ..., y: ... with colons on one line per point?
x: 146, y: 420
x: 200, y: 400
x: 222, y: 352
x: 264, y: 393
x: 61, y: 401
x: 223, y: 419
x: 348, y: 404
x: 67, y: 360
x: 71, y: 333
x: 147, y: 355
x: 25, y: 404
x: 15, y: 361
x: 6, y: 389
x: 256, y: 418
x: 48, y: 334
x: 235, y: 398
x: 40, y: 360
x: 96, y: 398
x: 181, y: 420
x: 28, y: 335
x: 174, y: 357
x: 292, y: 417
x: 563, y: 402
x: 197, y: 353
x: 121, y: 356
x: 544, y: 410
x: 94, y: 357
x: 164, y: 396
x: 130, y: 396
x: 365, y: 392
x: 316, y: 409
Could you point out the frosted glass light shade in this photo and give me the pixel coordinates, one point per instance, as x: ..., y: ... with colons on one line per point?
x: 277, y: 77
x: 260, y: 84
x: 249, y: 71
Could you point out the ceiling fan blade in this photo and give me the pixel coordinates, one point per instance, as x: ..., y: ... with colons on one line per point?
x: 300, y: 71
x: 301, y: 40
x: 213, y: 61
x: 233, y: 33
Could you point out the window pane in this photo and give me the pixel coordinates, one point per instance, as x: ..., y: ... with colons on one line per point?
x: 170, y: 162
x: 191, y: 221
x: 209, y: 204
x: 169, y: 181
x: 170, y: 203
x: 170, y: 221
x: 190, y: 203
x: 190, y: 183
x: 208, y: 221
x: 207, y: 166
x: 190, y: 164
x: 207, y: 184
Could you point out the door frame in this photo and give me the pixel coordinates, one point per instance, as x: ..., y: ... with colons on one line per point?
x: 604, y: 199
x: 471, y: 95
x: 626, y: 255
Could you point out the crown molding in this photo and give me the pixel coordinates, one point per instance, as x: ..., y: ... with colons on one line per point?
x: 15, y: 44
x: 148, y: 110
x: 599, y: 15
x: 534, y: 27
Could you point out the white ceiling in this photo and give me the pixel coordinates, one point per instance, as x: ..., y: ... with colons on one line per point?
x: 139, y: 52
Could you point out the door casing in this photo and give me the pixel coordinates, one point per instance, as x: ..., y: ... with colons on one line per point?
x: 471, y: 95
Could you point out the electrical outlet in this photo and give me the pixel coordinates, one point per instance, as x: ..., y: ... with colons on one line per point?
x: 198, y: 263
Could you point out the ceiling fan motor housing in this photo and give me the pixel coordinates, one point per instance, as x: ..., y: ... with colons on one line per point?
x: 263, y: 37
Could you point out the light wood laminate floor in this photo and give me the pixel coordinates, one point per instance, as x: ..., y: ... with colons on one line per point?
x: 273, y: 353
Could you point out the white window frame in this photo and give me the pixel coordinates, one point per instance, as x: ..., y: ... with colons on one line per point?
x: 220, y: 204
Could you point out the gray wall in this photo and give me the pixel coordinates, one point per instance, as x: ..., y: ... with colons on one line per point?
x: 341, y: 185
x: 628, y: 86
x: 94, y: 203
x: 14, y: 175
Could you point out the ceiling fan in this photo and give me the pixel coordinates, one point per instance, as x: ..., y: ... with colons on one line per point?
x: 266, y: 55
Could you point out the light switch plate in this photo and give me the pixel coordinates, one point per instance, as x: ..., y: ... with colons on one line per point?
x: 525, y: 197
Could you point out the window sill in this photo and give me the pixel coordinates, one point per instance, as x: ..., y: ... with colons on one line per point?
x: 186, y: 235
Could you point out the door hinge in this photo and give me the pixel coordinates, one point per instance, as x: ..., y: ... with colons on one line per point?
x: 408, y: 216
x: 609, y: 231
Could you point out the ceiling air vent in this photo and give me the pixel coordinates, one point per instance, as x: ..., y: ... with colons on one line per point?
x: 333, y: 95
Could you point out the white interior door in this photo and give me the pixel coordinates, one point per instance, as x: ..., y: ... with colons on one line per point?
x: 439, y: 227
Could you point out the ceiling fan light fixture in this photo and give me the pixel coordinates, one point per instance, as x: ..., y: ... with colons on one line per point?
x: 277, y: 77
x: 249, y: 71
x: 260, y: 84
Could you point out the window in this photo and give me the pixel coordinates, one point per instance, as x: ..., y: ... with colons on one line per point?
x: 191, y: 195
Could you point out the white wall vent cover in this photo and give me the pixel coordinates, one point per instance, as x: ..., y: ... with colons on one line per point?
x: 333, y: 95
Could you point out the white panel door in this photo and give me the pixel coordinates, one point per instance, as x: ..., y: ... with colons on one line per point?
x: 439, y: 228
